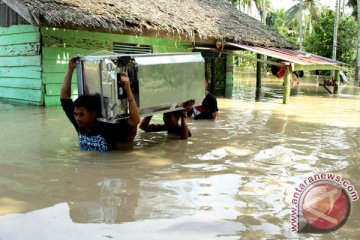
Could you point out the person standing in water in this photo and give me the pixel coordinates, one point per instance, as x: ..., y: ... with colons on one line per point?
x: 95, y: 135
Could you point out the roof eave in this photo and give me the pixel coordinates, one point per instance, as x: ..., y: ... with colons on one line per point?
x: 22, y: 10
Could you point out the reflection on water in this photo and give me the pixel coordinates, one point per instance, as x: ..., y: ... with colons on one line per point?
x: 272, y: 87
x: 234, y: 178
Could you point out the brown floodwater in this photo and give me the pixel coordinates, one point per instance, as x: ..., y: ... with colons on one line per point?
x: 234, y: 178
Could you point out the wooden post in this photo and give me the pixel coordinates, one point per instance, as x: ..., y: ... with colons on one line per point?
x: 287, y: 80
x: 258, y: 78
x: 213, y: 76
x: 229, y: 76
x: 337, y: 79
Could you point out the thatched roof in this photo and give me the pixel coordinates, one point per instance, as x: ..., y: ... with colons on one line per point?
x: 192, y: 19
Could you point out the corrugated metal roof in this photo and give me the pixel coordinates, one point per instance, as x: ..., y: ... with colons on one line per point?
x: 292, y: 56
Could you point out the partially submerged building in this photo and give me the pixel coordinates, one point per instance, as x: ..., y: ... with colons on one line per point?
x: 37, y: 37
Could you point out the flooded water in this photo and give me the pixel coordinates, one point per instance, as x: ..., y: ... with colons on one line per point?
x: 233, y: 179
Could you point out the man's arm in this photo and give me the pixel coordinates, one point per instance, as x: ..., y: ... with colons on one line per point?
x: 184, y: 130
x: 134, y: 119
x: 65, y: 93
x: 212, y: 106
x: 144, y: 125
x: 66, y: 85
x: 215, y: 112
x: 215, y: 115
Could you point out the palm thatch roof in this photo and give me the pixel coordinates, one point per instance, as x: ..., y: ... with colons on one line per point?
x: 210, y: 20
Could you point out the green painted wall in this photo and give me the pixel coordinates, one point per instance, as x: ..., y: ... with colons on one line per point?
x: 20, y: 64
x: 59, y: 45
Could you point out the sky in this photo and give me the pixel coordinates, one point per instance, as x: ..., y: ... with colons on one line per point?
x: 286, y: 4
x: 282, y: 4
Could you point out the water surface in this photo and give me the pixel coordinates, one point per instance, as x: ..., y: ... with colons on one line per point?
x: 234, y: 178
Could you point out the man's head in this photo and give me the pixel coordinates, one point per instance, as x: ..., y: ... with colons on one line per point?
x: 171, y: 119
x: 85, y: 111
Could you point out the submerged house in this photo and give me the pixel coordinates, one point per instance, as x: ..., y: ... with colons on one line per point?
x: 37, y: 37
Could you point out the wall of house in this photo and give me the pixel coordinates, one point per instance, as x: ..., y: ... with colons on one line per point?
x: 58, y: 45
x: 20, y: 64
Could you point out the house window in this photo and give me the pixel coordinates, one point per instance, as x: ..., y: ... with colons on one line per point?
x: 130, y: 48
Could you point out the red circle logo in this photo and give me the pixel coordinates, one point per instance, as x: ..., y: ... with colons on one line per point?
x: 325, y: 206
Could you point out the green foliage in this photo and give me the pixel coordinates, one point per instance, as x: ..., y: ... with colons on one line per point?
x: 318, y: 29
x: 247, y: 4
x: 310, y: 12
x: 321, y: 39
x: 353, y: 4
x: 233, y: 2
x: 248, y: 58
x: 276, y: 20
x: 216, y: 81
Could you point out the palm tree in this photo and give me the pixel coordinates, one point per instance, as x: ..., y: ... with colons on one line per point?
x: 246, y: 6
x: 355, y: 4
x: 242, y: 5
x: 301, y: 6
x: 262, y: 6
x: 357, y: 75
x: 336, y: 26
x: 342, y: 7
x: 304, y: 13
x: 263, y: 11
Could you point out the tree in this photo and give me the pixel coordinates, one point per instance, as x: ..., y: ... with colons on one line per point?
x: 355, y: 4
x: 263, y: 13
x: 320, y: 41
x: 242, y: 5
x: 263, y: 6
x: 301, y: 23
x: 276, y: 20
x: 357, y: 70
x: 336, y: 25
x: 246, y: 6
x: 304, y: 13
